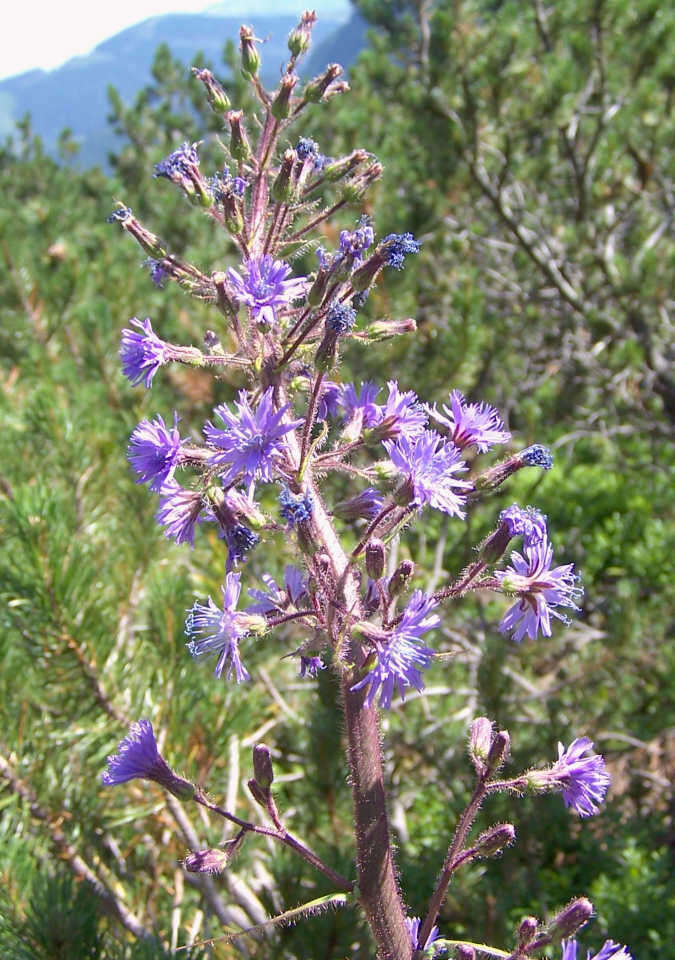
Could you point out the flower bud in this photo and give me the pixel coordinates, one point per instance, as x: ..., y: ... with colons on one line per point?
x: 260, y: 796
x: 571, y: 919
x: 400, y: 577
x: 375, y: 558
x: 283, y: 187
x: 233, y: 213
x: 281, y: 105
x: 480, y: 742
x: 534, y: 456
x: 239, y: 145
x: 499, y: 751
x: 386, y: 329
x: 262, y: 766
x: 365, y: 505
x: 337, y: 169
x: 315, y: 89
x: 355, y: 188
x: 465, y: 952
x: 318, y: 289
x: 365, y: 275
x: 222, y: 293
x: 250, y: 58
x: 206, y: 861
x: 300, y: 37
x: 216, y: 96
x: 493, y: 841
x: 326, y: 352
x: 526, y: 931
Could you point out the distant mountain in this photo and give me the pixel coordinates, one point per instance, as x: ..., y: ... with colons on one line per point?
x: 74, y: 95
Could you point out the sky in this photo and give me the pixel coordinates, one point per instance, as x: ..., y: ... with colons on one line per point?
x: 46, y: 33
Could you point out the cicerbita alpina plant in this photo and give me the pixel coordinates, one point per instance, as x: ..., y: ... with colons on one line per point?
x: 295, y: 427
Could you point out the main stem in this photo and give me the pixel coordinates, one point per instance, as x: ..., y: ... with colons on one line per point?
x: 378, y: 890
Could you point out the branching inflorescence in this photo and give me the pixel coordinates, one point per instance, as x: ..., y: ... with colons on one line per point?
x: 292, y: 430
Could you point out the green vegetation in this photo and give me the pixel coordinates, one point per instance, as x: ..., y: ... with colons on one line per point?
x: 529, y: 148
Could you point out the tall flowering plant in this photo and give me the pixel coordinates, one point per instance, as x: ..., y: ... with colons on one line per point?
x: 293, y: 428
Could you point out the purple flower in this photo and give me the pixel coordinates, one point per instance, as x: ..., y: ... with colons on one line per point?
x: 471, y: 423
x: 274, y: 599
x: 365, y: 505
x: 402, y: 414
x: 179, y: 511
x: 310, y: 666
x: 142, y: 356
x: 178, y: 164
x: 295, y: 510
x: 239, y: 539
x: 329, y: 400
x: 536, y: 456
x: 583, y: 779
x: 251, y: 443
x: 158, y: 272
x: 137, y: 757
x: 400, y: 653
x: 529, y: 524
x: 609, y: 951
x: 154, y: 452
x: 397, y: 246
x: 541, y: 590
x: 340, y: 318
x: 264, y: 287
x: 352, y: 244
x: 360, y: 408
x: 413, y: 925
x: 428, y: 463
x: 221, y: 630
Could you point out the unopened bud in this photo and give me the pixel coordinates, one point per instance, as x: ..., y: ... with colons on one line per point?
x: 206, y: 861
x: 318, y: 289
x: 262, y: 766
x: 239, y: 145
x: 480, y: 742
x: 465, y: 952
x: 315, y: 89
x: 283, y: 187
x: 281, y: 105
x: 375, y: 558
x: 337, y: 169
x: 326, y: 352
x: 493, y: 841
x: 386, y: 329
x: 365, y: 275
x: 499, y: 751
x: 218, y: 99
x: 571, y: 919
x: 250, y: 58
x: 222, y: 293
x: 355, y: 188
x: 526, y: 931
x: 299, y: 39
x: 400, y: 577
x: 261, y: 797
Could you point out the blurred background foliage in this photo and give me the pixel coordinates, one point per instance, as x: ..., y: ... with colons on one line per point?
x: 529, y: 147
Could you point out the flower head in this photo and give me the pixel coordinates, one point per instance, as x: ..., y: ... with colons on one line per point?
x: 252, y: 442
x: 353, y: 243
x: 154, y: 452
x: 264, y: 287
x: 536, y: 456
x: 400, y: 655
x: 583, y: 779
x: 471, y: 423
x: 340, y: 318
x: 366, y: 505
x: 413, y: 925
x: 137, y: 757
x: 310, y: 666
x: 179, y: 511
x: 142, y: 354
x: 329, y: 400
x: 158, y: 272
x: 293, y: 509
x: 527, y: 523
x: 221, y: 630
x: 402, y: 414
x: 178, y: 164
x: 428, y: 464
x: 361, y: 407
x: 274, y: 599
x: 608, y: 951
x: 541, y: 590
x: 397, y: 246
